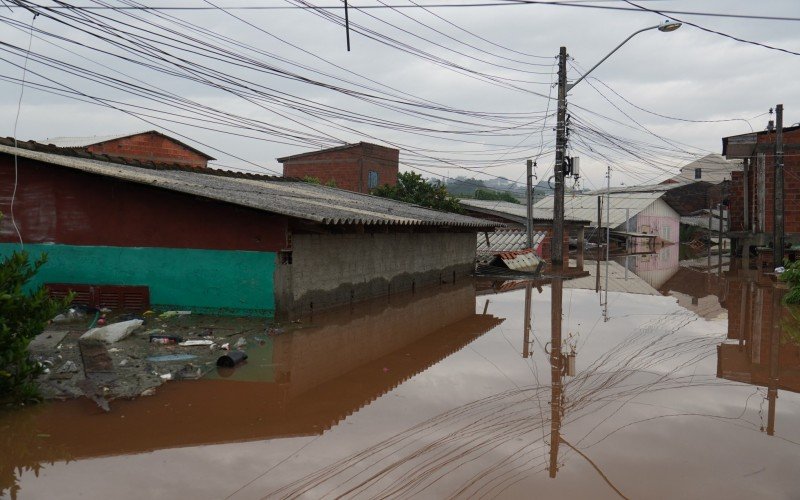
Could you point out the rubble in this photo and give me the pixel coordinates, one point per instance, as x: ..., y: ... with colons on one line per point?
x: 113, y: 332
x: 82, y: 365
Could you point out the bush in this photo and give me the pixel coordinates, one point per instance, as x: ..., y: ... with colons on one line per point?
x: 791, y: 276
x: 412, y: 188
x: 23, y: 315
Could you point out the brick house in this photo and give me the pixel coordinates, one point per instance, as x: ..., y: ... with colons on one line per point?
x: 357, y: 167
x: 217, y: 241
x: 150, y: 146
x: 752, y: 192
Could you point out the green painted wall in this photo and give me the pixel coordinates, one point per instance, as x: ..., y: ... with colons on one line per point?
x: 213, y: 281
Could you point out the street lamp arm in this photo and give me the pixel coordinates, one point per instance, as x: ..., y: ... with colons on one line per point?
x: 571, y: 85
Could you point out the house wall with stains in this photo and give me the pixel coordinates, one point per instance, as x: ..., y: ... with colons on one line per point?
x: 193, y: 253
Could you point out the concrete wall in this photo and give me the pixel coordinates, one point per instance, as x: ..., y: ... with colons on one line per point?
x: 335, y: 269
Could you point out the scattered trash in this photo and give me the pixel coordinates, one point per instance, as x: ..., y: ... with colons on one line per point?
x: 165, y: 339
x: 71, y: 315
x: 225, y: 346
x: 231, y: 359
x: 191, y: 343
x: 189, y: 372
x: 170, y: 357
x: 68, y: 367
x: 123, y: 362
x: 166, y: 376
x: 172, y: 314
x: 114, y: 332
x: 114, y: 349
x: 241, y: 342
x: 148, y: 392
x: 780, y: 269
x: 101, y: 321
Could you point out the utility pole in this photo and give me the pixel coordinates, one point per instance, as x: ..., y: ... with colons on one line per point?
x: 777, y: 230
x: 557, y: 257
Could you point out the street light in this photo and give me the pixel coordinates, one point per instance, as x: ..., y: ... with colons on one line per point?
x: 665, y: 26
x: 561, y: 136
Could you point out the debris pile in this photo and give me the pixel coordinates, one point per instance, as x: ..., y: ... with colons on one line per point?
x: 128, y: 355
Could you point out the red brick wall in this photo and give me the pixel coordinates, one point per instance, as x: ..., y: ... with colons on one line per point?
x: 59, y: 205
x: 791, y: 185
x: 545, y: 247
x: 349, y: 168
x: 151, y: 147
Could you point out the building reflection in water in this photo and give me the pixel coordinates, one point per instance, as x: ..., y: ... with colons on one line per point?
x: 296, y: 384
x: 762, y: 342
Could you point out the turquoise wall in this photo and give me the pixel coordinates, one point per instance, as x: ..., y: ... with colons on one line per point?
x: 211, y: 281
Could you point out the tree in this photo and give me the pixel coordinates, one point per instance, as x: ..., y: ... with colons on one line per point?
x: 23, y: 315
x: 482, y: 194
x: 412, y: 188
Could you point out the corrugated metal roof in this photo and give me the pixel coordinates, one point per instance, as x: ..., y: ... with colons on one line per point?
x: 702, y: 221
x: 616, y: 279
x: 521, y: 260
x: 291, y: 198
x: 582, y: 206
x: 514, y: 211
x: 507, y: 240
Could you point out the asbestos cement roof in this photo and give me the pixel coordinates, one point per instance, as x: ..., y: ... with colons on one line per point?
x: 584, y: 207
x: 514, y: 211
x: 292, y: 198
x: 507, y: 240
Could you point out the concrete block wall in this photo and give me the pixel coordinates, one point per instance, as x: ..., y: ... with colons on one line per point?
x: 335, y: 269
x: 150, y: 147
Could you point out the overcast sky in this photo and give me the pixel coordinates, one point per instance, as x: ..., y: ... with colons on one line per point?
x: 466, y: 96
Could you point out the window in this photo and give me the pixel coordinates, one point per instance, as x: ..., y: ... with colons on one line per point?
x: 372, y: 180
x: 698, y: 173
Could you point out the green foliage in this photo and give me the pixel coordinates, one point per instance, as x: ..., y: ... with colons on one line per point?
x: 482, y: 194
x: 23, y: 315
x: 316, y: 180
x: 412, y: 188
x: 791, y: 276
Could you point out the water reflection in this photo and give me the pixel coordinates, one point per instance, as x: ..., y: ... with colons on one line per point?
x: 551, y: 400
x: 762, y: 345
x: 298, y: 384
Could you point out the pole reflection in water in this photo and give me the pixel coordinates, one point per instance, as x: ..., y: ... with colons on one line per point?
x: 763, y: 342
x: 526, y: 336
x: 555, y: 372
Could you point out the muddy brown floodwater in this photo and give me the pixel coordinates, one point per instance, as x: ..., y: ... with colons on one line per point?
x: 677, y: 384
